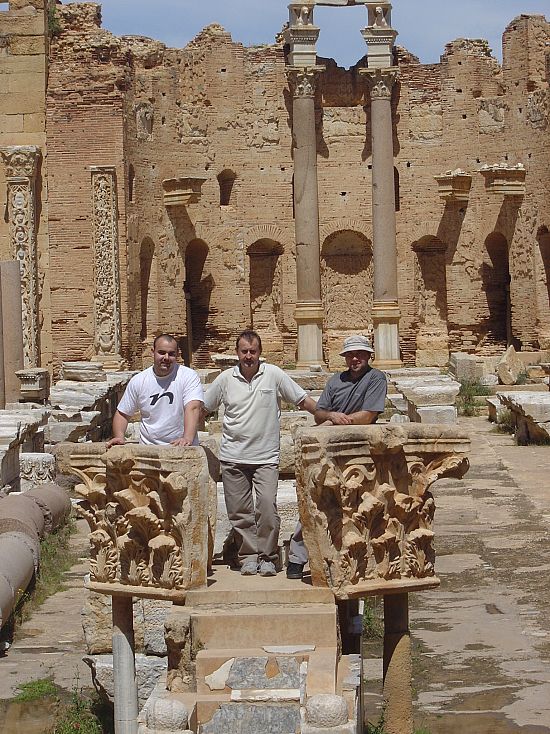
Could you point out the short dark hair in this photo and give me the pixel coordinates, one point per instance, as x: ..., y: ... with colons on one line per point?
x: 166, y: 337
x: 248, y: 335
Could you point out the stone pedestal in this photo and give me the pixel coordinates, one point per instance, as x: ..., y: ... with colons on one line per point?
x: 35, y: 384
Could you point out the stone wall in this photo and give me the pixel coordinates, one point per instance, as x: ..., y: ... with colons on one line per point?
x: 223, y: 258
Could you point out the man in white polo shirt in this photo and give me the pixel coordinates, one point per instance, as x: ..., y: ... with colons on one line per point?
x: 249, y: 451
x: 168, y: 397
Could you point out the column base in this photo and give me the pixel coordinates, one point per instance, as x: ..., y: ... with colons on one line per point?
x: 309, y: 319
x: 385, y: 317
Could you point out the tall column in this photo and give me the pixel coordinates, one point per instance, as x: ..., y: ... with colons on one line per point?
x: 124, y: 666
x: 301, y: 36
x: 309, y: 307
x: 385, y: 307
x: 21, y: 167
x: 381, y: 76
x: 12, y: 325
x: 107, y: 326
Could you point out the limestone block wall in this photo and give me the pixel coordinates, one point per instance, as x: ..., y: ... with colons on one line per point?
x: 473, y: 274
x: 23, y: 78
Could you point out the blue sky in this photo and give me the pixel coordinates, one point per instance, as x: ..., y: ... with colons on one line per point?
x: 424, y: 26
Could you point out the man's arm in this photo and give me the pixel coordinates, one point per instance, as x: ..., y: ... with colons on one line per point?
x: 191, y: 416
x: 308, y: 404
x: 120, y: 424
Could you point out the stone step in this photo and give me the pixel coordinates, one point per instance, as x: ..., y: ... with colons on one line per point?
x: 257, y: 626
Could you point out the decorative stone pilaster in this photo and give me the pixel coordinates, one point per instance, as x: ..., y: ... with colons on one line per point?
x: 21, y: 169
x: 365, y: 507
x: 147, y: 507
x: 107, y: 327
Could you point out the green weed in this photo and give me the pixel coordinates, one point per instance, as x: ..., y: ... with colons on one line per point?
x: 469, y: 390
x: 35, y: 689
x: 78, y: 716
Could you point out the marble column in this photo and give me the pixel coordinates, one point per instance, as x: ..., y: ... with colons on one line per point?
x: 398, y: 708
x: 385, y: 307
x: 21, y: 169
x: 309, y: 307
x: 12, y: 325
x: 107, y: 326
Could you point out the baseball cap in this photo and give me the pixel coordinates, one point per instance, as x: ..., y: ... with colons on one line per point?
x: 356, y: 343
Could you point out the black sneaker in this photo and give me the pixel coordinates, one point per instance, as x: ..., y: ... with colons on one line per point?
x: 294, y: 570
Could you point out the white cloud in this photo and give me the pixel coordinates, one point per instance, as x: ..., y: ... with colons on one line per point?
x: 424, y: 26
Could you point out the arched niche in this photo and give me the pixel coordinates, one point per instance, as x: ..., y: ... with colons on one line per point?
x: 265, y: 285
x: 198, y: 291
x: 226, y: 180
x: 495, y: 279
x: 430, y: 289
x: 148, y: 278
x: 347, y: 289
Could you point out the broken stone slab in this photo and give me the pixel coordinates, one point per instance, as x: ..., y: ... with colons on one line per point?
x: 207, y: 375
x: 534, y: 406
x: 496, y: 409
x: 466, y: 367
x: 437, y: 414
x: 83, y: 372
x: 433, y: 394
x: 509, y: 367
x: 249, y: 718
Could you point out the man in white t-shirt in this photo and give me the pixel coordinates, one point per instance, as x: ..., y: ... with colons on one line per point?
x: 168, y: 396
x: 249, y: 450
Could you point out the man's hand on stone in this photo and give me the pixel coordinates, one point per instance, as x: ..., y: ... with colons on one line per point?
x: 339, y: 419
x: 116, y: 441
x: 181, y: 442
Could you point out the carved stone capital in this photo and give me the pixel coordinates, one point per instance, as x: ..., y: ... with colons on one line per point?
x: 303, y: 82
x: 21, y: 161
x: 147, y: 508
x: 381, y: 81
x: 364, y: 503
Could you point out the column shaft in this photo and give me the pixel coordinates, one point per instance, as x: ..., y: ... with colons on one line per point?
x: 398, y: 715
x: 124, y: 666
x: 309, y: 307
x: 383, y: 202
x: 3, y: 331
x: 12, y: 325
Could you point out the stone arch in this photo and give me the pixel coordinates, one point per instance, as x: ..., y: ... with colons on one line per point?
x: 431, y: 307
x: 149, y: 295
x: 265, y: 278
x: 495, y: 279
x: 347, y: 287
x: 330, y: 229
x: 198, y: 291
x: 267, y: 232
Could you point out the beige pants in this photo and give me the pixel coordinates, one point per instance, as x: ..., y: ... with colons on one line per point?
x: 256, y: 525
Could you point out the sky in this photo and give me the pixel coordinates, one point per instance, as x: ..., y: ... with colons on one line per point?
x: 424, y: 26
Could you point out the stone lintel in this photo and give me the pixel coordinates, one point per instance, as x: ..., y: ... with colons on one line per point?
x: 182, y: 191
x: 454, y: 185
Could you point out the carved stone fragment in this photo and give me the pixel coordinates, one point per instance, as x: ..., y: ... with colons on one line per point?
x: 147, y: 507
x: 365, y: 507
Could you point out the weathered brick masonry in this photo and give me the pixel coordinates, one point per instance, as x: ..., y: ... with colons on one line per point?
x: 473, y: 274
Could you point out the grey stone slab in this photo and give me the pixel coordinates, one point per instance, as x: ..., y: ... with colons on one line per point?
x: 250, y: 718
x: 247, y: 673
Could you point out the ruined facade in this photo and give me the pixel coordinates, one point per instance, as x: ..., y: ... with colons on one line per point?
x: 163, y: 191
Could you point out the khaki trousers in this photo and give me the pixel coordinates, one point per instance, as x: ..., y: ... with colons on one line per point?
x: 256, y: 525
